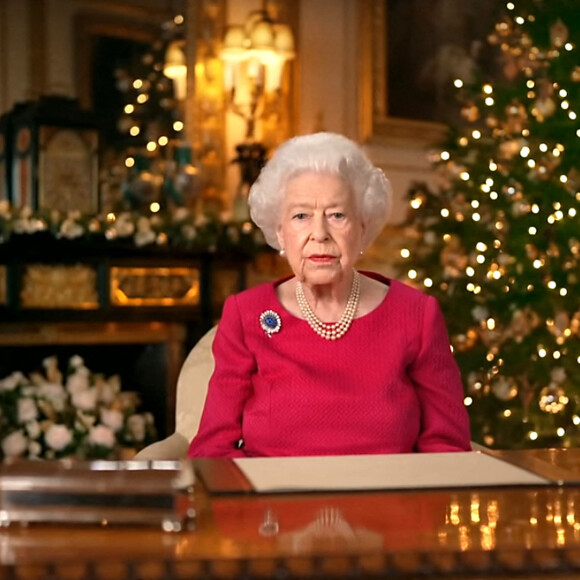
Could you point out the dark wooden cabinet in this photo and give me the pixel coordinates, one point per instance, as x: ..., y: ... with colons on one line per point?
x: 96, y: 294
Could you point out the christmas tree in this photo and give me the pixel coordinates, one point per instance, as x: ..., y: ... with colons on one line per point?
x: 498, y: 231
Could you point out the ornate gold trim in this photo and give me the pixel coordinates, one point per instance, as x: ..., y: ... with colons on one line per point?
x: 131, y: 286
x: 54, y: 286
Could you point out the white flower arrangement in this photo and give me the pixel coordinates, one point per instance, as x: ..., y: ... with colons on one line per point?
x: 85, y: 415
x: 179, y: 228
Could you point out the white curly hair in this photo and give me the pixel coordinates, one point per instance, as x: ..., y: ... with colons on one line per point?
x: 321, y: 153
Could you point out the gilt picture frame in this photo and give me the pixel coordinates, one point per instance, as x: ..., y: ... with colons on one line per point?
x: 410, y: 51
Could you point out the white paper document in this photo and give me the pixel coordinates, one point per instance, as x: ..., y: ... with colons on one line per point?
x: 376, y: 472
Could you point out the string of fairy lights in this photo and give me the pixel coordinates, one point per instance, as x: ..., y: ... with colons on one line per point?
x: 507, y: 178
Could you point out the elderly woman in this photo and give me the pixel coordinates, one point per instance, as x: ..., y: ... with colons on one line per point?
x: 329, y: 360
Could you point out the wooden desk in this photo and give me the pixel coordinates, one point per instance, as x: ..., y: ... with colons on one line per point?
x: 477, y: 533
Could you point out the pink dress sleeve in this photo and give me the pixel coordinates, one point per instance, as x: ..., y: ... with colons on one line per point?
x: 445, y: 422
x: 229, y: 388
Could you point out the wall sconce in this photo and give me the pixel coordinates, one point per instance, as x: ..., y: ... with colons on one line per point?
x: 175, y: 67
x: 254, y: 56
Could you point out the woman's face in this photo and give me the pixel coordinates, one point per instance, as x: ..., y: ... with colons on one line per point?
x: 320, y: 230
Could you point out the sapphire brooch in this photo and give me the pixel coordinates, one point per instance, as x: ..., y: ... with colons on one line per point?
x: 270, y: 322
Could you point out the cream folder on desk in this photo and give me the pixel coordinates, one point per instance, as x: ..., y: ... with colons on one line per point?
x: 382, y: 472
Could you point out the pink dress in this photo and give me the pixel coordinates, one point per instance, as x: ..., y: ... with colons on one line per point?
x: 389, y: 385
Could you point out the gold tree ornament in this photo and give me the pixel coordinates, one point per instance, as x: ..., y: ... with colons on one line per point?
x: 504, y: 388
x: 559, y: 33
x: 553, y: 399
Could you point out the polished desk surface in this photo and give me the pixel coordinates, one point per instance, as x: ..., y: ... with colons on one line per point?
x: 465, y: 533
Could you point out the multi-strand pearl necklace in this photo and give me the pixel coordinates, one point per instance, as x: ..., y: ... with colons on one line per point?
x: 330, y: 330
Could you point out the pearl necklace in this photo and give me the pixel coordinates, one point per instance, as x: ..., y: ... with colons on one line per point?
x: 330, y: 330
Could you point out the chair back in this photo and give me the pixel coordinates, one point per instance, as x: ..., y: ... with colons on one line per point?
x: 192, y: 385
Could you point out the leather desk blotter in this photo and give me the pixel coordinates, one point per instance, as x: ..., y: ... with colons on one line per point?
x: 363, y: 473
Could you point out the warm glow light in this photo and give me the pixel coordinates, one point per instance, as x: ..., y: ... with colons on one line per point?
x: 489, y: 101
x: 134, y: 131
x: 130, y: 162
x: 154, y: 207
x: 178, y: 126
x: 444, y: 155
x: 137, y: 84
x: 151, y: 146
x: 464, y: 175
x: 405, y: 253
x: 445, y: 212
x: 458, y: 83
x: 163, y: 141
x: 428, y: 282
x: 412, y: 274
x: 129, y: 109
x: 532, y: 435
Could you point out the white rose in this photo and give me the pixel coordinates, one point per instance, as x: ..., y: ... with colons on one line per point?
x: 85, y: 400
x: 15, y: 444
x: 12, y: 381
x: 34, y: 449
x: 58, y: 437
x: 112, y: 418
x: 76, y: 361
x: 101, y: 435
x: 33, y: 429
x: 77, y: 382
x: 109, y: 389
x: 27, y: 410
x: 54, y: 394
x: 136, y: 426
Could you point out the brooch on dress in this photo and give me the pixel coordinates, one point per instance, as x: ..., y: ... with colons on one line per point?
x: 270, y: 322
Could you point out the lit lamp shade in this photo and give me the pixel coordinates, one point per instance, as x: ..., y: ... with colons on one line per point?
x: 233, y: 51
x: 175, y: 67
x: 260, y: 42
x: 284, y: 41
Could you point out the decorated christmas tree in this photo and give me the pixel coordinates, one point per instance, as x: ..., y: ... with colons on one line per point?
x: 497, y: 234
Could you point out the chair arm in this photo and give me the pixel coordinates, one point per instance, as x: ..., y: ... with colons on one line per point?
x: 172, y: 447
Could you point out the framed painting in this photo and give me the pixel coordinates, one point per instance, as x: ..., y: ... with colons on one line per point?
x: 411, y: 51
